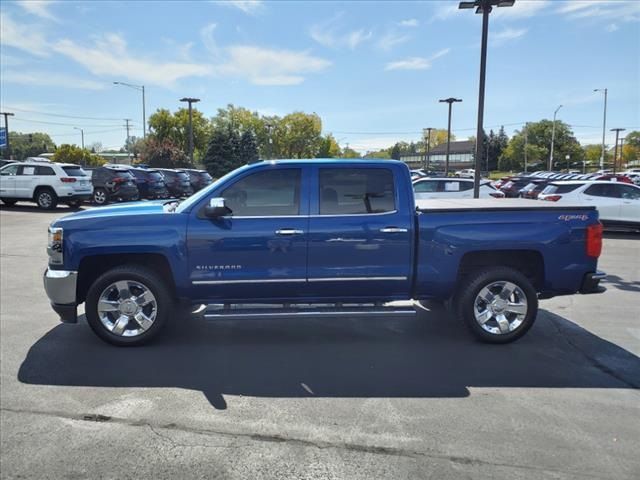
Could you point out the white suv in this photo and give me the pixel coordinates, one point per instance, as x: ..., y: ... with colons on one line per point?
x: 45, y: 183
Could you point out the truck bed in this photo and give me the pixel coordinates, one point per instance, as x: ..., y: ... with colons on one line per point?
x: 492, y: 204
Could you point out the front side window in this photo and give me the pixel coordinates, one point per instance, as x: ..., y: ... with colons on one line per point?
x: 349, y: 191
x: 270, y: 193
x: 629, y: 193
x: 10, y: 170
x: 425, y: 187
x: 601, y: 190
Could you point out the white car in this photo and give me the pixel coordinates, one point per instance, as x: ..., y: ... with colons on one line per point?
x: 45, y: 183
x: 618, y: 203
x: 466, y: 173
x: 426, y: 188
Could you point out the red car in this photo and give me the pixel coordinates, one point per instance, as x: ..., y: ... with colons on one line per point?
x: 613, y: 177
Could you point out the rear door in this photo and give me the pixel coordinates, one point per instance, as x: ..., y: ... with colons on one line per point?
x: 360, y: 233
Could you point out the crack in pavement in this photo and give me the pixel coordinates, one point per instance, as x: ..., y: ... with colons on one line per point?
x: 317, y: 444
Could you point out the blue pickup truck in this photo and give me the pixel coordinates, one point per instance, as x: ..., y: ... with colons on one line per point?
x: 318, y: 237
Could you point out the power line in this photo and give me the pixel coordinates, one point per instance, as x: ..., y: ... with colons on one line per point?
x: 60, y: 115
x: 59, y: 123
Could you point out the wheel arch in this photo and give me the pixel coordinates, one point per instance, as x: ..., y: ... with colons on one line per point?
x: 528, y: 262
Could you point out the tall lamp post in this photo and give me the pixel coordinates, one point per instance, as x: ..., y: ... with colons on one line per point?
x: 6, y: 132
x: 615, y: 152
x: 483, y: 7
x: 81, y: 134
x: 426, y: 132
x: 144, y: 113
x: 553, y: 137
x: 450, y: 101
x: 190, y: 101
x: 604, y: 124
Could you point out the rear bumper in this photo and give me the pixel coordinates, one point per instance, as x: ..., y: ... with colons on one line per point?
x: 591, y: 283
x: 60, y: 286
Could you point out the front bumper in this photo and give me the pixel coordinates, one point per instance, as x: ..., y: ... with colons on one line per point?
x: 60, y: 286
x: 591, y: 283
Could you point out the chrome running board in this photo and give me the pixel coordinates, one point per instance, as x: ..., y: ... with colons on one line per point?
x: 257, y: 311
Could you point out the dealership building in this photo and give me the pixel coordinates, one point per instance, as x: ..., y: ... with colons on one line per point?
x: 460, y: 156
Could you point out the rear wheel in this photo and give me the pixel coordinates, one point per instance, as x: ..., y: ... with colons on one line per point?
x: 46, y: 198
x: 499, y: 305
x: 128, y: 305
x: 100, y: 196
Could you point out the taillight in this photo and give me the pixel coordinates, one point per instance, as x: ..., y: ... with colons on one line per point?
x: 594, y: 240
x: 119, y: 180
x: 67, y: 179
x: 552, y: 198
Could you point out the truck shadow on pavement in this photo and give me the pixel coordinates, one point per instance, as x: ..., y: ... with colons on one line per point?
x: 428, y: 356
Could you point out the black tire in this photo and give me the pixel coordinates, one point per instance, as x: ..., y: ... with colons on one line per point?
x: 100, y: 196
x: 465, y: 304
x: 140, y: 275
x: 46, y: 198
x: 9, y: 202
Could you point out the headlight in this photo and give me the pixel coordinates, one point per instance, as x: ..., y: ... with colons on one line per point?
x: 54, y: 246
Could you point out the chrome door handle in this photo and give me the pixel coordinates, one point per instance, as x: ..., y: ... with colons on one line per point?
x: 289, y: 231
x: 393, y: 230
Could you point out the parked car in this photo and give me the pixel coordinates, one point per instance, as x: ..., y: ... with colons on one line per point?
x: 45, y: 183
x: 302, y: 234
x: 425, y: 188
x: 177, y: 182
x: 113, y: 183
x: 618, y: 203
x: 612, y: 177
x: 465, y: 173
x: 198, y: 178
x: 150, y: 183
x: 533, y: 189
x: 512, y: 187
x: 635, y: 177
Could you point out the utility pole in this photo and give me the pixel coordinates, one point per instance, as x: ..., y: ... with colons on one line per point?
x: 553, y: 137
x: 615, y: 152
x: 82, y: 135
x: 450, y: 101
x: 604, y: 125
x: 127, y: 120
x: 190, y: 101
x: 270, y: 149
x: 6, y: 132
x: 144, y: 110
x: 484, y: 8
x: 427, y: 130
x: 526, y: 143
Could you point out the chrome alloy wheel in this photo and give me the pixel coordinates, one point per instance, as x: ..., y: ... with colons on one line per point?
x: 45, y: 200
x: 500, y: 307
x: 127, y: 308
x: 100, y: 197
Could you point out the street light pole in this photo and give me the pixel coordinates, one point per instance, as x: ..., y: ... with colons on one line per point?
x: 526, y: 143
x: 190, y: 101
x: 425, y: 164
x: 483, y: 7
x: 604, y: 125
x: 553, y: 137
x: 450, y: 101
x: 6, y: 132
x: 615, y: 152
x: 81, y: 134
x: 144, y: 109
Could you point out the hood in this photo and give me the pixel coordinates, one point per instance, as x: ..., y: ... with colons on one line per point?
x: 123, y: 209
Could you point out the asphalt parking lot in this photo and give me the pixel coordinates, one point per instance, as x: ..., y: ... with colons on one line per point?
x: 343, y: 399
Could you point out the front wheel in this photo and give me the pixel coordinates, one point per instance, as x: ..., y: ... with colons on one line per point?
x: 499, y: 305
x: 128, y: 305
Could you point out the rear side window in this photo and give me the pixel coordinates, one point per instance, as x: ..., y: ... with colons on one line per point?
x: 552, y: 189
x: 43, y: 171
x: 269, y: 193
x: 74, y: 171
x: 126, y: 175
x: 349, y: 191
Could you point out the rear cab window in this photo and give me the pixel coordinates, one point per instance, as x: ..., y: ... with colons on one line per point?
x: 353, y: 191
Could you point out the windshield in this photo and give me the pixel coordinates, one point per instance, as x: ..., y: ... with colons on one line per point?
x: 195, y: 198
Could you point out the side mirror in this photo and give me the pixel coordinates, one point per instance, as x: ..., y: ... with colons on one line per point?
x: 216, y: 208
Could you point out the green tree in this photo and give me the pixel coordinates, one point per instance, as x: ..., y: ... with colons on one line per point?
x: 164, y: 125
x: 222, y: 155
x: 633, y: 138
x: 25, y: 145
x: 163, y: 154
x: 74, y: 154
x: 247, y: 148
x: 350, y: 153
x: 329, y: 147
x: 298, y: 135
x: 396, y: 151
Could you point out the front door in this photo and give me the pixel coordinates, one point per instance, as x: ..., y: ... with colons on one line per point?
x: 8, y: 181
x: 360, y: 242
x: 259, y: 251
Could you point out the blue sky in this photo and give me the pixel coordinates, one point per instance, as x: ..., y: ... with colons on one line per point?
x: 373, y: 71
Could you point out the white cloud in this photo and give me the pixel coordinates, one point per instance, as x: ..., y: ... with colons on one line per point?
x: 390, y: 40
x: 330, y: 34
x: 416, y: 63
x: 410, y: 22
x: 206, y: 34
x: 602, y: 9
x: 109, y: 58
x: 247, y: 6
x: 612, y: 27
x: 39, y: 8
x: 445, y: 11
x: 264, y: 66
x: 521, y: 9
x: 498, y: 38
x: 22, y: 36
x: 49, y: 79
